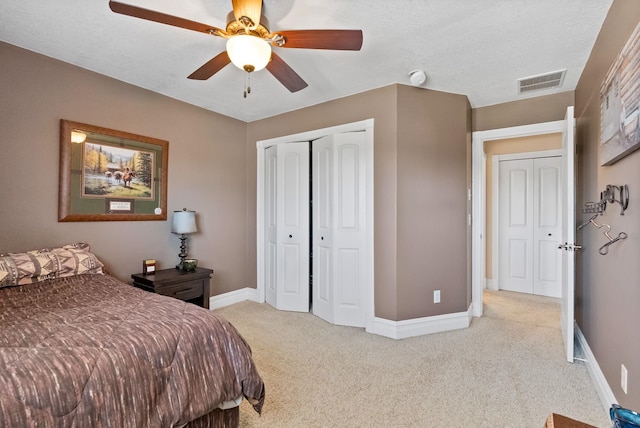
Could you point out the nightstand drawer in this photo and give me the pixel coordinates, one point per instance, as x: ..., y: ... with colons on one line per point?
x: 184, y: 290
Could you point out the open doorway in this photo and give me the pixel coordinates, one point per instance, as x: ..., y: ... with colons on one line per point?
x: 507, y: 137
x: 524, y: 214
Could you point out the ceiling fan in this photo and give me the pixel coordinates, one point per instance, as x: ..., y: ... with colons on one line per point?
x: 249, y: 40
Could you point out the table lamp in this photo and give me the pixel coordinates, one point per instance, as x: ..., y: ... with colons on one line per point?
x: 184, y: 223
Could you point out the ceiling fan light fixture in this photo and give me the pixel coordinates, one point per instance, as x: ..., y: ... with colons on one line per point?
x: 248, y: 53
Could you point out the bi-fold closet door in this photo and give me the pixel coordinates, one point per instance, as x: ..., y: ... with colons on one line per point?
x: 331, y: 239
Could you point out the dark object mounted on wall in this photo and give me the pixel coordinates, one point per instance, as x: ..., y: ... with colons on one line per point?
x: 616, y: 194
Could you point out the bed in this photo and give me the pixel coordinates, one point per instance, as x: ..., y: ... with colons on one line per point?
x: 80, y: 348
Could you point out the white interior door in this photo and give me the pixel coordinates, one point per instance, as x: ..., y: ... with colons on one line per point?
x: 287, y: 230
x: 340, y: 228
x: 568, y: 233
x: 530, y: 225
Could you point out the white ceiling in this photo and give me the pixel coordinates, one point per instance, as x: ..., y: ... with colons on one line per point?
x: 478, y: 48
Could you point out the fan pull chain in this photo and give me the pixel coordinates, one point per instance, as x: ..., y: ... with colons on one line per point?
x: 247, y: 84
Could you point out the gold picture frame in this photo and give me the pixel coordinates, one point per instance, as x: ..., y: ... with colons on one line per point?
x: 109, y: 175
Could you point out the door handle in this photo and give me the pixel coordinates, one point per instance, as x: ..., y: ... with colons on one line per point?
x: 569, y: 247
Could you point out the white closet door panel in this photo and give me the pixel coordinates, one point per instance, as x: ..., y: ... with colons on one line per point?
x: 516, y: 223
x: 292, y: 188
x: 271, y: 225
x: 518, y: 256
x: 271, y: 274
x: 347, y: 292
x: 339, y: 234
x: 322, y: 197
x: 548, y: 266
x: 348, y: 169
x: 293, y: 227
x: 518, y: 196
x: 349, y: 238
x: 322, y: 291
x: 549, y: 193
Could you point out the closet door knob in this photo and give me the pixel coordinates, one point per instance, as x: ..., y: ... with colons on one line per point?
x: 290, y: 236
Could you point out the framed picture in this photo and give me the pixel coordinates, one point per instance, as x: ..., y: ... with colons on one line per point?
x: 109, y: 175
x: 620, y: 104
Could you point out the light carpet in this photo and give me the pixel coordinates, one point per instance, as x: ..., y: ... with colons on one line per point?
x: 506, y: 370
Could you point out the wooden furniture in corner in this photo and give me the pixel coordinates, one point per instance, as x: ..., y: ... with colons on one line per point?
x: 191, y: 287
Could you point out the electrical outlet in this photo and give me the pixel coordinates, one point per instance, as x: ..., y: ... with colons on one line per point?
x: 436, y: 296
x: 623, y: 378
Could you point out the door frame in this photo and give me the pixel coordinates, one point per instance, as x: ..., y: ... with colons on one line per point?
x: 494, y: 284
x: 479, y: 199
x: 366, y: 126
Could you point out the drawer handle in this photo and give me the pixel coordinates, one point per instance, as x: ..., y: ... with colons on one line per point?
x: 186, y: 292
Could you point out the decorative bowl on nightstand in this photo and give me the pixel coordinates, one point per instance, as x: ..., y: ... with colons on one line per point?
x: 189, y: 264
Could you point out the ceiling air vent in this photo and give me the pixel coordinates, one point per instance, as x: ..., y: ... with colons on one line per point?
x: 541, y: 81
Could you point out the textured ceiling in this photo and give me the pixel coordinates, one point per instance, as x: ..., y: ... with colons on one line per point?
x: 478, y: 48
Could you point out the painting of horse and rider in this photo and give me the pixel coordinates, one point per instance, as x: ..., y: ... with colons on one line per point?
x: 110, y: 171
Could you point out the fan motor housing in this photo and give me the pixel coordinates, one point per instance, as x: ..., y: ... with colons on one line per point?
x: 236, y: 27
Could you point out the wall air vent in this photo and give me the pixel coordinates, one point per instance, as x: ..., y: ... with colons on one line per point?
x: 541, y: 81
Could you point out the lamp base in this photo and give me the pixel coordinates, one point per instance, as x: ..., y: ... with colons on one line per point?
x: 183, y: 254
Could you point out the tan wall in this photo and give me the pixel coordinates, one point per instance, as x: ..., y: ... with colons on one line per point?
x: 509, y: 146
x: 396, y: 291
x: 432, y: 203
x: 607, y: 290
x: 522, y: 112
x: 206, y: 168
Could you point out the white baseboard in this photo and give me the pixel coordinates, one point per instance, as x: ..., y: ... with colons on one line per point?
x: 597, y: 377
x: 237, y: 296
x: 421, y: 326
x: 492, y: 284
x: 383, y: 327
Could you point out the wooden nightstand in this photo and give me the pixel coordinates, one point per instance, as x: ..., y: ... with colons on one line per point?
x: 191, y: 287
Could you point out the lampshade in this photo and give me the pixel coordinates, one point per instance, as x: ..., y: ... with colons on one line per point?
x: 184, y: 222
x: 248, y: 53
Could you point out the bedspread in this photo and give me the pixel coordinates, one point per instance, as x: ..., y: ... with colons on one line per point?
x: 90, y: 350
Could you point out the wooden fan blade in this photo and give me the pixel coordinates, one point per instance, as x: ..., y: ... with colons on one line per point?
x: 348, y: 40
x: 285, y: 74
x: 252, y: 9
x: 210, y: 68
x: 163, y: 18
